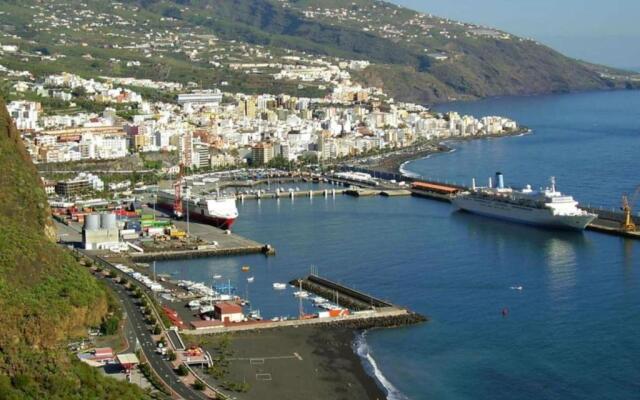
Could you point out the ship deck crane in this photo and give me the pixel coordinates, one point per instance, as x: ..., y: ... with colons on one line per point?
x: 628, y: 224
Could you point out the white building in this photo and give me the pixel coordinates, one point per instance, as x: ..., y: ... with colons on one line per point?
x: 25, y: 114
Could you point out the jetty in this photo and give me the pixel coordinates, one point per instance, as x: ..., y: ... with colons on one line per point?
x: 358, y: 311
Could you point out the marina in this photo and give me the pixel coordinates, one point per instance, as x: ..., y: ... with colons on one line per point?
x: 200, y: 308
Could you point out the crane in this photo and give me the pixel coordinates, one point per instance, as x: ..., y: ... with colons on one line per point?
x: 628, y: 225
x: 177, y: 199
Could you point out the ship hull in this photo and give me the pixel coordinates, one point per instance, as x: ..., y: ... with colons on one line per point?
x: 218, y: 222
x: 221, y: 214
x: 541, y: 217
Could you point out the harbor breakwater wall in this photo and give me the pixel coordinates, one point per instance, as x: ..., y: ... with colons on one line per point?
x: 388, y: 318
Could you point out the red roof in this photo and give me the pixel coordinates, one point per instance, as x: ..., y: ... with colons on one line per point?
x: 103, y: 351
x: 435, y: 187
x: 228, y: 308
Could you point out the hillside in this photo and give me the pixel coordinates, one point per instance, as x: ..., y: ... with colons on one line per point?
x: 414, y: 56
x: 46, y: 298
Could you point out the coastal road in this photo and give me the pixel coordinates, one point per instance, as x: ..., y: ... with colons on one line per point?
x: 141, y: 331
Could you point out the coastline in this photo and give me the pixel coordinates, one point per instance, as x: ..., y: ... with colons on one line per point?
x: 285, y: 363
x: 394, y: 162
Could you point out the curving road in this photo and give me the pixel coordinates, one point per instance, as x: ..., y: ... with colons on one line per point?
x: 141, y: 332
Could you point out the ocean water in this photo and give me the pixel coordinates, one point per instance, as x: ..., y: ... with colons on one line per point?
x: 589, y: 141
x: 572, y: 332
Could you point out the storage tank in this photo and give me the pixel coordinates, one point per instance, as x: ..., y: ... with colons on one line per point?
x: 108, y: 221
x: 499, y: 180
x: 92, y: 222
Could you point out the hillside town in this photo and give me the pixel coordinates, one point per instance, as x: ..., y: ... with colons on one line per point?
x: 211, y: 130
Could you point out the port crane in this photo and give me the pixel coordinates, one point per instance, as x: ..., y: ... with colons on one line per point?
x: 628, y: 225
x: 177, y: 187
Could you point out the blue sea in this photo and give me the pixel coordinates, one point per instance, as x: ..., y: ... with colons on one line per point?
x: 572, y: 332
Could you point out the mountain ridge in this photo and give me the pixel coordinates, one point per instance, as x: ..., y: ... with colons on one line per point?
x: 414, y: 56
x: 485, y: 63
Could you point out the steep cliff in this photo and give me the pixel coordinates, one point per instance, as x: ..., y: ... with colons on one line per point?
x: 46, y: 297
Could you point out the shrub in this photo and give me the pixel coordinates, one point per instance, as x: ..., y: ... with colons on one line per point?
x: 198, y: 385
x: 182, y: 370
x: 110, y: 325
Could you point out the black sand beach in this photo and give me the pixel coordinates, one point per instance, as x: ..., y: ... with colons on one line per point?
x: 308, y: 363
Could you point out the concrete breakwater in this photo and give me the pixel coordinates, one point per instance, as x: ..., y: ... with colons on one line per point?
x: 202, y: 253
x: 391, y: 317
x: 340, y: 294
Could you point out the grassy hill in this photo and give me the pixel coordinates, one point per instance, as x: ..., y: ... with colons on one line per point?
x: 46, y: 298
x: 415, y: 56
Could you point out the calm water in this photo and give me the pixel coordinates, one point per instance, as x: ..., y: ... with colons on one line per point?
x: 589, y: 141
x: 573, y: 332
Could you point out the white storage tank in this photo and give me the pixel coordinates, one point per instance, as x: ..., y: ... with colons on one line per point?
x: 108, y: 221
x: 92, y: 222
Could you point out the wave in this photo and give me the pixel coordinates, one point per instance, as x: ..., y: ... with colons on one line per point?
x: 370, y: 365
x: 406, y: 172
x: 410, y: 174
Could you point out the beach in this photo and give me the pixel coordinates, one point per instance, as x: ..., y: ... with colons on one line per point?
x: 294, y: 363
x: 392, y: 162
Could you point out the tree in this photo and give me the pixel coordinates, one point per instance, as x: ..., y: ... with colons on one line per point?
x: 182, y: 370
x: 79, y: 91
x: 110, y: 325
x: 198, y: 385
x: 172, y: 12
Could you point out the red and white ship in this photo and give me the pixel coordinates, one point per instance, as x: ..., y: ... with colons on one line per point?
x: 219, y: 211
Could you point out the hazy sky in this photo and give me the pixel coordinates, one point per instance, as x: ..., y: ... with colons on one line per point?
x: 606, y: 32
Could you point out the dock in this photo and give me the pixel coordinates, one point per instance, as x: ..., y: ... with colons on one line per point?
x: 362, y: 192
x: 292, y: 194
x: 343, y: 295
x: 609, y: 222
x: 211, y: 242
x: 366, y: 311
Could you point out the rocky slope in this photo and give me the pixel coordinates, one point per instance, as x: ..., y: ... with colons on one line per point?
x: 46, y: 297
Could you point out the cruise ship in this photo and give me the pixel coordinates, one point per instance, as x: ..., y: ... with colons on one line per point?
x: 546, y: 208
x: 219, y: 211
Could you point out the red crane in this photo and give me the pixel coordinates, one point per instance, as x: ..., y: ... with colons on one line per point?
x: 177, y: 187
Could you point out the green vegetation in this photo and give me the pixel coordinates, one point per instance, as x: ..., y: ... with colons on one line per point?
x: 405, y: 63
x: 182, y: 370
x: 151, y: 377
x: 46, y: 297
x: 198, y: 385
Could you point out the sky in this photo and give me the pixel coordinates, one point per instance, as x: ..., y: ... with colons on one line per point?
x: 604, y: 32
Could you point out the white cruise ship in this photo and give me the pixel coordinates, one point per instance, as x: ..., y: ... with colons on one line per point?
x: 219, y: 211
x: 547, y: 208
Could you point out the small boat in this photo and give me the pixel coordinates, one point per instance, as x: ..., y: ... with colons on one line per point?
x: 217, y: 276
x: 255, y: 314
x: 516, y: 288
x: 250, y: 279
x: 279, y: 286
x: 319, y: 300
x: 301, y: 293
x: 206, y: 309
x: 245, y: 268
